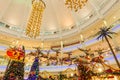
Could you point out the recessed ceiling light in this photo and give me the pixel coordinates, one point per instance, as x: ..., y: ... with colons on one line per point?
x: 114, y: 17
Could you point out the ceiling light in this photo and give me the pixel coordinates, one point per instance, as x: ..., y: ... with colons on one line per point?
x: 34, y: 22
x: 81, y: 37
x: 114, y: 17
x: 104, y: 21
x: 75, y: 4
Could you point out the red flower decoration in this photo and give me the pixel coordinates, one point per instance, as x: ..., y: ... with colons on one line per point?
x: 110, y: 76
x: 10, y: 52
x: 109, y: 71
x: 16, y: 54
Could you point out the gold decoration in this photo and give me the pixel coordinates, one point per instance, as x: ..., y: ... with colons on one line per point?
x: 75, y: 4
x: 34, y: 22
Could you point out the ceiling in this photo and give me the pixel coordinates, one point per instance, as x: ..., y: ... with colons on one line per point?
x: 58, y: 23
x: 57, y: 18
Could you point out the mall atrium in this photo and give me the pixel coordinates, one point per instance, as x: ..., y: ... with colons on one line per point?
x: 59, y: 39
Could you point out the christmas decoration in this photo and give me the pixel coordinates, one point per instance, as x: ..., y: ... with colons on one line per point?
x: 106, y: 33
x: 15, y: 53
x: 61, y: 76
x: 75, y: 4
x: 35, y: 19
x: 34, y: 72
x: 108, y: 71
x: 15, y: 69
x: 85, y: 73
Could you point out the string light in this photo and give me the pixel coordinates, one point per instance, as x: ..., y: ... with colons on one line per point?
x: 75, y: 4
x: 35, y: 19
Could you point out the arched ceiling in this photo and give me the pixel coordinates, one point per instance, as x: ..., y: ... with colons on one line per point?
x: 58, y: 21
x: 55, y: 16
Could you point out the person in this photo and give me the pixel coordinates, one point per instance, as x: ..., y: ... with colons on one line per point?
x: 50, y: 78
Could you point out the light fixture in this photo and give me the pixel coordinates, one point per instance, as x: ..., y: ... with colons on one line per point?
x: 114, y: 17
x: 105, y: 22
x: 75, y: 4
x: 72, y: 74
x: 35, y: 19
x: 100, y: 70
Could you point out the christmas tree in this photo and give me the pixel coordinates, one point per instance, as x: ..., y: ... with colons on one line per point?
x: 15, y: 71
x: 34, y: 72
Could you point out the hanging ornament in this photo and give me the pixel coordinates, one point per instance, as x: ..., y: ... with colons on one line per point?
x: 110, y: 76
x: 101, y: 57
x: 75, y: 4
x: 35, y: 19
x: 88, y: 58
x: 108, y: 71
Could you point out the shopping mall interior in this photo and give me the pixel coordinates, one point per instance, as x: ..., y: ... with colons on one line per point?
x: 59, y: 39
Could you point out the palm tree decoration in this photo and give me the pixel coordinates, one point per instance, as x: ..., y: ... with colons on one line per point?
x: 106, y: 33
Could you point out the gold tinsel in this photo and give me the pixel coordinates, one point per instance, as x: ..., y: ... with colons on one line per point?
x: 35, y: 19
x: 75, y: 4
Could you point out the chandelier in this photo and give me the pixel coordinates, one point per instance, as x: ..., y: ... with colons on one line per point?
x: 34, y: 21
x: 75, y: 4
